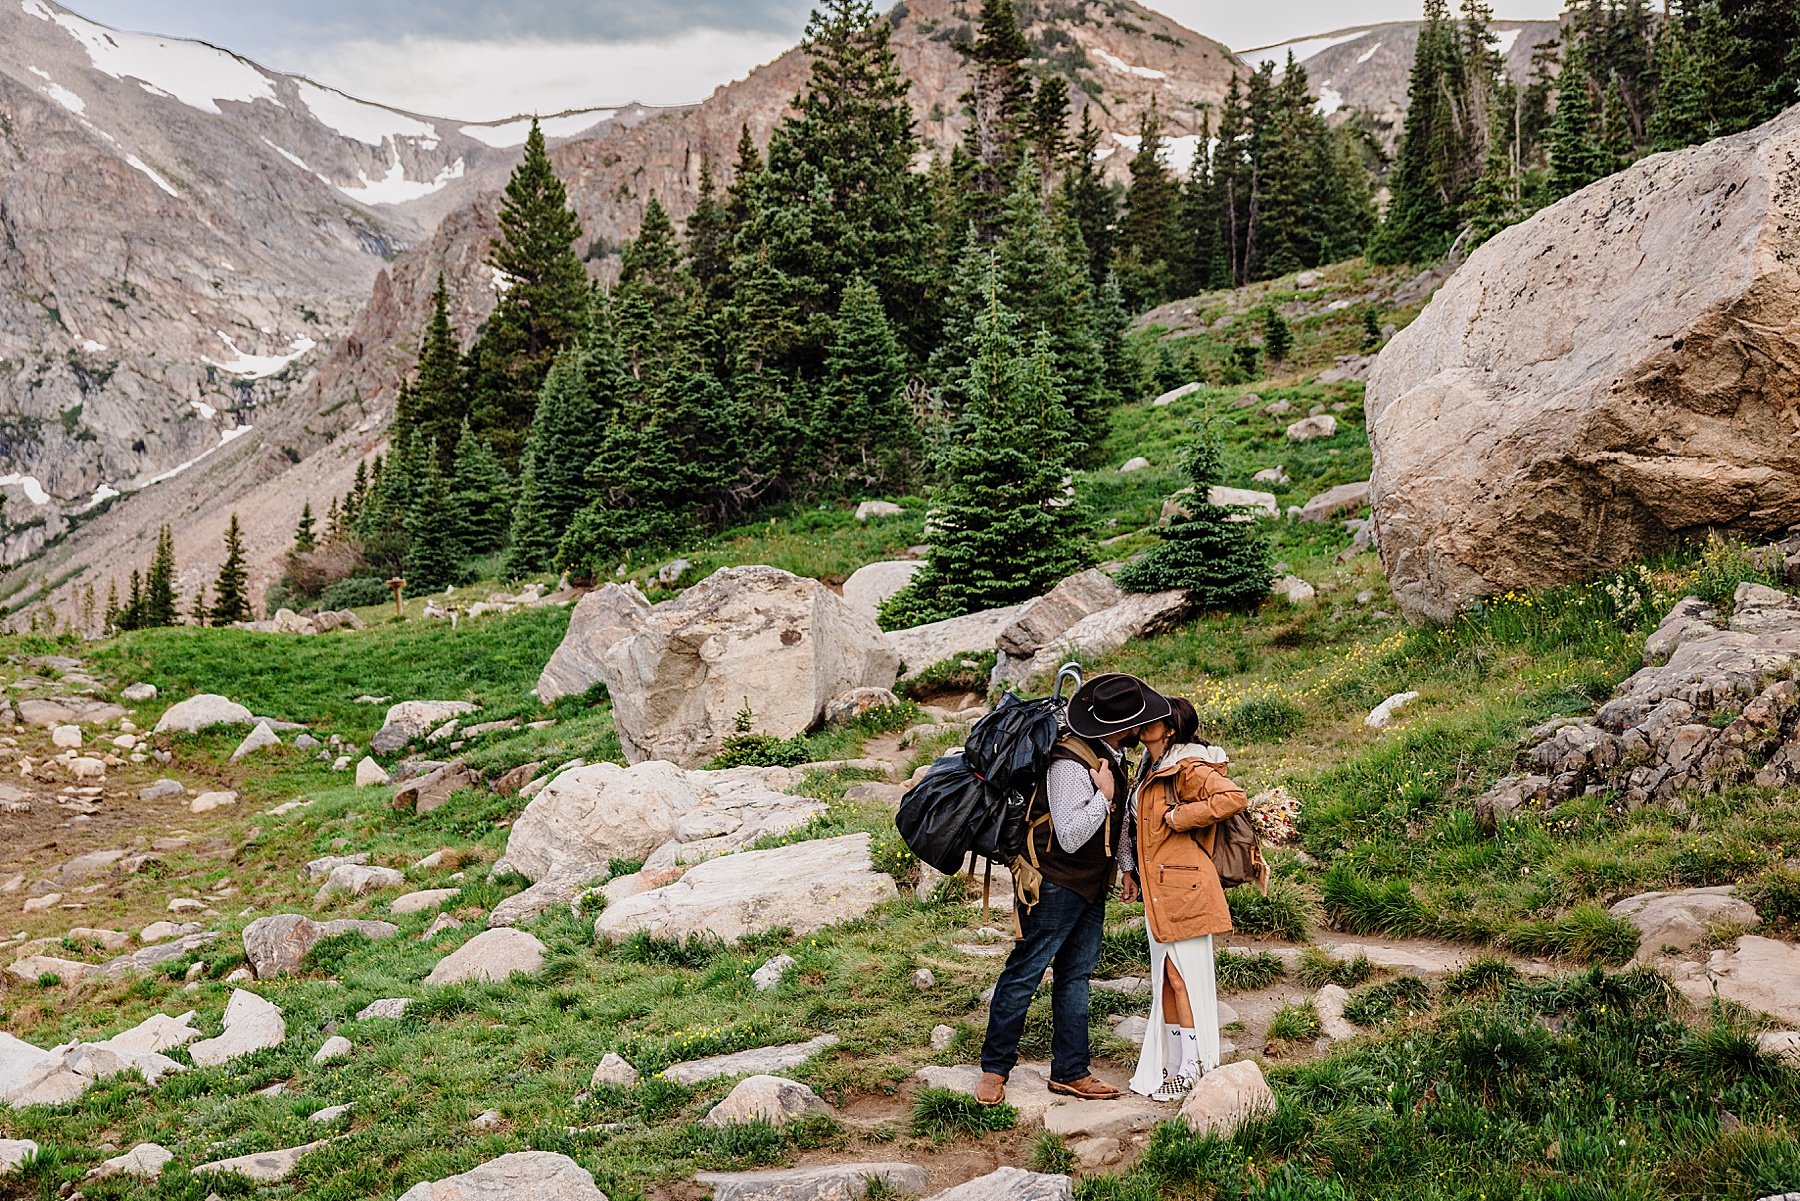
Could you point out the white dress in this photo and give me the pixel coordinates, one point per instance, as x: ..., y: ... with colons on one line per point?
x: 1193, y: 958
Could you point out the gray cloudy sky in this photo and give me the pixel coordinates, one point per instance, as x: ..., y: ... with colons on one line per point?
x: 481, y: 59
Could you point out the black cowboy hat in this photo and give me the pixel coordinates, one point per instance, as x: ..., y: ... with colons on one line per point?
x: 1109, y: 703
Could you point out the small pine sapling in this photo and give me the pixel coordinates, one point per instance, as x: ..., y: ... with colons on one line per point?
x: 1215, y: 554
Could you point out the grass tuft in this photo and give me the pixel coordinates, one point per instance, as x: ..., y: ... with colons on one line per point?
x: 941, y: 1114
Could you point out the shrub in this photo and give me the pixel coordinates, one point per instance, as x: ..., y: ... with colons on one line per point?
x: 1238, y: 972
x: 1319, y: 968
x: 1284, y: 913
x: 1485, y: 976
x: 951, y: 675
x: 1776, y: 894
x: 1295, y: 1023
x: 942, y: 1113
x: 1050, y: 1153
x: 1360, y: 906
x: 1585, y: 933
x: 641, y: 946
x: 358, y: 592
x: 1257, y: 719
x: 1381, y: 1003
x: 760, y: 750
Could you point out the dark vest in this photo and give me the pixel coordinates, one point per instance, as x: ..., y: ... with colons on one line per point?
x: 1087, y: 870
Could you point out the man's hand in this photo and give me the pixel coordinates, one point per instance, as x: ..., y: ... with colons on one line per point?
x: 1128, y: 888
x: 1104, y: 780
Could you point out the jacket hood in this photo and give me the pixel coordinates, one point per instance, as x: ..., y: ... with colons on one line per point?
x: 1187, y: 752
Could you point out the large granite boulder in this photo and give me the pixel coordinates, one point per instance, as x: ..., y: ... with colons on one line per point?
x: 1680, y: 919
x: 1042, y: 621
x: 601, y: 619
x: 251, y: 1024
x: 491, y: 955
x: 653, y: 811
x: 1097, y: 635
x: 954, y: 638
x: 413, y: 719
x: 202, y: 712
x: 277, y: 945
x: 803, y: 887
x: 538, y: 1175
x: 871, y: 584
x: 760, y: 636
x: 1597, y: 382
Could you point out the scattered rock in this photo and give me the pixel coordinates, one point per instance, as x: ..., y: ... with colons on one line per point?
x: 760, y: 1061
x: 559, y: 887
x: 878, y: 508
x: 1098, y: 635
x: 139, y: 693
x: 264, y: 1167
x: 202, y: 713
x: 334, y: 1049
x: 857, y: 702
x: 1759, y: 974
x: 537, y: 1175
x: 679, y: 681
x: 1683, y: 918
x: 1382, y: 714
x: 410, y: 719
x: 601, y: 619
x: 429, y: 791
x: 419, y: 902
x: 1783, y: 1044
x: 67, y: 711
x: 14, y: 1152
x: 163, y: 931
x: 487, y: 1119
x: 1227, y: 1096
x: 1045, y: 620
x: 772, y: 1099
x: 924, y: 979
x: 277, y: 945
x: 616, y: 1071
x: 369, y: 774
x: 355, y: 879
x: 259, y: 738
x: 46, y: 901
x: 871, y: 584
x: 391, y: 1008
x: 145, y: 1161
x: 491, y: 955
x: 149, y: 958
x: 66, y: 737
x: 1175, y: 394
x: 1011, y: 1184
x: 1329, y: 1003
x: 942, y: 1036
x: 1333, y: 501
x: 251, y: 1024
x: 1271, y: 475
x: 439, y: 924
x: 163, y: 790
x: 652, y: 811
x: 825, y: 1182
x: 1092, y: 1153
x: 330, y: 1113
x: 1262, y: 504
x: 206, y: 802
x: 1132, y: 465
x: 926, y: 646
x: 1296, y: 590
x: 1309, y: 428
x: 804, y: 887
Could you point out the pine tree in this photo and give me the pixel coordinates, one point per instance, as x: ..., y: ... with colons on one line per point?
x: 656, y: 293
x: 113, y: 612
x: 334, y: 520
x: 159, y: 608
x: 433, y: 546
x: 231, y: 591
x: 580, y: 402
x: 1278, y: 336
x: 304, y: 538
x: 865, y: 429
x: 1002, y: 528
x: 359, y: 492
x: 1577, y: 157
x: 1047, y: 129
x: 199, y: 613
x: 1221, y: 560
x: 1199, y: 258
x: 1148, y: 230
x: 709, y: 236
x: 998, y: 104
x: 541, y: 307
x: 479, y: 497
x: 131, y: 617
x: 1088, y: 198
x: 439, y: 400
x: 1111, y: 322
x: 1422, y: 216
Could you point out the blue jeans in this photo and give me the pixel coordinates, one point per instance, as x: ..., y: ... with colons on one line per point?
x: 1063, y: 929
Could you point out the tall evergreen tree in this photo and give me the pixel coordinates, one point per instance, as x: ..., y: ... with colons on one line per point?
x: 580, y: 402
x: 1147, y: 232
x: 656, y: 293
x: 439, y: 400
x: 231, y: 591
x: 1002, y: 528
x: 541, y: 306
x: 434, y: 546
x: 865, y: 430
x: 479, y: 496
x: 709, y: 237
x: 1577, y: 157
x: 1047, y: 129
x: 999, y: 106
x: 131, y: 616
x: 1088, y: 198
x: 200, y: 614
x: 159, y: 605
x: 305, y: 539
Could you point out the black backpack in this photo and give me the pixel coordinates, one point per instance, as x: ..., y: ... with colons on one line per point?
x: 977, y: 804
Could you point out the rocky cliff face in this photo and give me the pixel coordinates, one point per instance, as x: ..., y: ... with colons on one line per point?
x: 184, y: 232
x: 1365, y: 70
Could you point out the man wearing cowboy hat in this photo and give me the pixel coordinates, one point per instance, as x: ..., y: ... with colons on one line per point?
x: 1084, y: 790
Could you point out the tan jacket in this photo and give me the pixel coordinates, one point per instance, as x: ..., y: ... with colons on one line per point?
x: 1179, y: 803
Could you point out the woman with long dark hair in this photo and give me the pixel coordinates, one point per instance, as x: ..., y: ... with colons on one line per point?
x: 1166, y: 853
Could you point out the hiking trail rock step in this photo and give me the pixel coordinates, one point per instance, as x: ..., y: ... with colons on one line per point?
x: 1011, y: 1184
x: 828, y: 1182
x: 537, y: 1175
x: 772, y: 1099
x: 758, y: 1062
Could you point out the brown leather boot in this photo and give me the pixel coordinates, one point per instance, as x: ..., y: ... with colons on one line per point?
x: 991, y: 1088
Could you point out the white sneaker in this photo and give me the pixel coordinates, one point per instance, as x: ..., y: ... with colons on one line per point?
x: 1174, y: 1088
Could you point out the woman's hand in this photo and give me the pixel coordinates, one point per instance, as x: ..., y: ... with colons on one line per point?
x: 1128, y: 888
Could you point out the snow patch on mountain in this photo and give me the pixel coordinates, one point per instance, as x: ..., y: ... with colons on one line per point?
x: 1119, y: 64
x: 1301, y: 50
x: 514, y: 133
x: 60, y: 94
x: 34, y: 491
x: 257, y: 366
x: 361, y: 121
x: 1177, y: 153
x: 395, y: 188
x: 192, y: 72
x: 226, y: 438
x: 1504, y: 40
x: 1330, y: 100
x: 1370, y: 52
x: 139, y: 164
